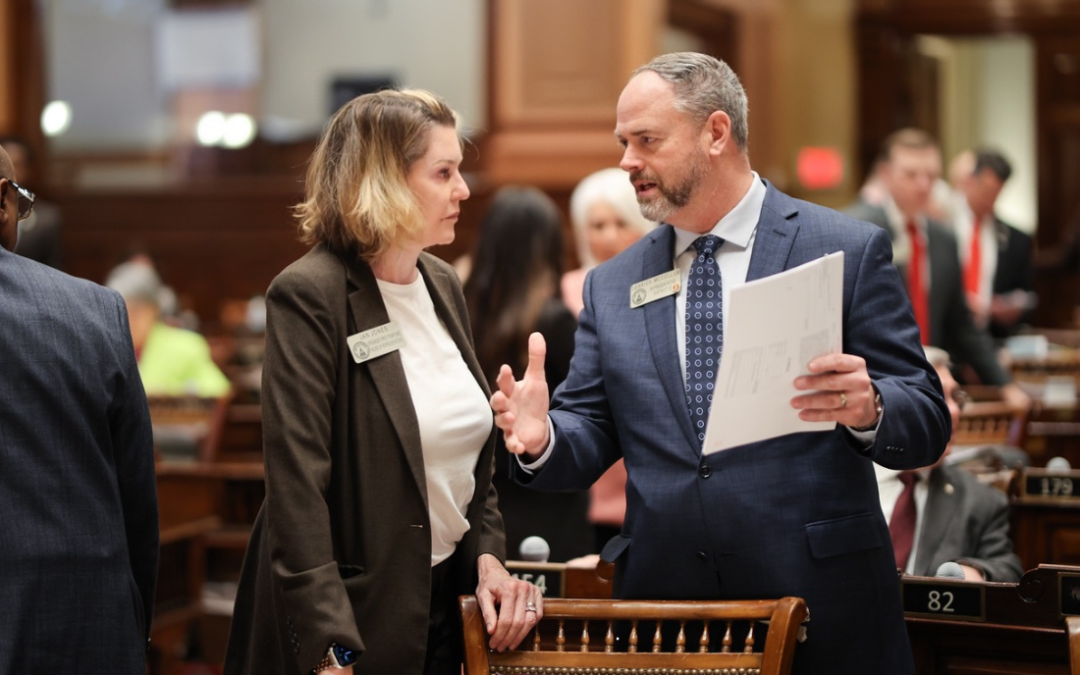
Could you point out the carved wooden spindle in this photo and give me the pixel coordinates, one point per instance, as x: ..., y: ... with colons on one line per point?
x: 704, y: 642
x: 633, y: 637
x: 536, y: 638
x: 585, y: 635
x: 680, y: 642
x: 609, y: 638
x: 750, y: 640
x: 657, y: 639
x: 726, y: 644
x: 560, y: 639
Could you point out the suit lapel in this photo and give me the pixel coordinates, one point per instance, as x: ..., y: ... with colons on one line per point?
x: 387, y: 372
x: 942, y: 501
x: 775, y: 235
x: 440, y: 286
x: 660, y: 326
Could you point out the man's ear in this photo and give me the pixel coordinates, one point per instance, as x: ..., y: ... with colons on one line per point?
x: 718, y: 131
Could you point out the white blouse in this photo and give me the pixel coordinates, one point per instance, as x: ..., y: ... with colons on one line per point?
x: 454, y: 416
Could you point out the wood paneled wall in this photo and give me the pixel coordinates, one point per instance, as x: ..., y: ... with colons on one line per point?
x: 211, y: 243
x: 556, y: 70
x: 7, y: 65
x: 22, y: 73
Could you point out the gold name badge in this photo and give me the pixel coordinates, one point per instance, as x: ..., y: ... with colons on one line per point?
x: 375, y: 342
x: 661, y: 286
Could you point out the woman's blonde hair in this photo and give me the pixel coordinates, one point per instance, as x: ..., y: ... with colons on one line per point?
x: 358, y: 196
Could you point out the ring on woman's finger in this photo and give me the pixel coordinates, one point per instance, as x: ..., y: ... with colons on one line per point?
x: 843, y: 400
x: 530, y: 607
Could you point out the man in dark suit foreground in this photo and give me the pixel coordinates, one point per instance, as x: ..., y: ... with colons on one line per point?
x: 952, y: 516
x: 78, y: 504
x: 796, y: 515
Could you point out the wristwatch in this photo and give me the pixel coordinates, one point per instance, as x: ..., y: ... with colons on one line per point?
x: 336, y: 657
x: 878, y: 409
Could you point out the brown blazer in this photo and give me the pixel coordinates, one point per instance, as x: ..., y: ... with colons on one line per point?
x: 341, y: 551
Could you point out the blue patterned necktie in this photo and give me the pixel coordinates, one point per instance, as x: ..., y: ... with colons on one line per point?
x: 704, y: 331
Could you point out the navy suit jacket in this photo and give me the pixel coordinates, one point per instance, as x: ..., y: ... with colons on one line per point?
x: 797, y: 515
x: 78, y: 502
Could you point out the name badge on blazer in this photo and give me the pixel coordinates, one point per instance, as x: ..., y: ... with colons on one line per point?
x: 375, y: 342
x: 660, y: 286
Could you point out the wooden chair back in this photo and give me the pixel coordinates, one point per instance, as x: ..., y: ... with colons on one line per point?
x: 199, y: 420
x: 577, y: 637
x: 988, y: 420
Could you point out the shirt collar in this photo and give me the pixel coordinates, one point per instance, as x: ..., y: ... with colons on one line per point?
x: 897, y: 219
x: 737, y: 226
x: 886, y: 475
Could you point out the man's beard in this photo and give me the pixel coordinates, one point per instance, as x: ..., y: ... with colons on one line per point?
x: 672, y: 198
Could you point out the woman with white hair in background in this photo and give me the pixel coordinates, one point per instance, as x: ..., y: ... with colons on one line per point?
x: 606, y: 219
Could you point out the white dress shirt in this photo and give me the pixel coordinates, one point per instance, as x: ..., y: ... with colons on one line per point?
x: 901, y: 242
x: 889, y: 489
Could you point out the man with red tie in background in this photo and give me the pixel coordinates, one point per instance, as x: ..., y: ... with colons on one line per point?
x: 927, y: 256
x: 996, y: 257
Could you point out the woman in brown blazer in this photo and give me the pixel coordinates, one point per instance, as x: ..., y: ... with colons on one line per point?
x: 378, y: 437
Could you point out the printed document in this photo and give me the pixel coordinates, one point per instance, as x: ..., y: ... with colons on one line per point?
x: 775, y: 327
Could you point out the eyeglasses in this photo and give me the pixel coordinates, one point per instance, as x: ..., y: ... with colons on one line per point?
x: 26, y: 200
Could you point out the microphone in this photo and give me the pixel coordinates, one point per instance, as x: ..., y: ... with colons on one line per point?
x: 950, y: 570
x: 534, y: 549
x: 1058, y: 465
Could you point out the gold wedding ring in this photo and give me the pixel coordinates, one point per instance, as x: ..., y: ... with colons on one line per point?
x: 843, y: 400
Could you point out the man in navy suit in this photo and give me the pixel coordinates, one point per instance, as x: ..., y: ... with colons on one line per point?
x: 78, y: 503
x: 796, y: 515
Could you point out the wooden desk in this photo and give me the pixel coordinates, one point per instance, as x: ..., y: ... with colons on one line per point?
x: 186, y: 514
x: 560, y: 581
x: 1023, y: 629
x: 1053, y: 432
x: 206, y: 511
x: 1046, y: 527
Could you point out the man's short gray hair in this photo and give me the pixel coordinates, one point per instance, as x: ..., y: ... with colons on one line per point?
x: 704, y: 84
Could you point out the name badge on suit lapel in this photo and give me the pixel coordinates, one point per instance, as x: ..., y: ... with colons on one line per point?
x: 375, y: 342
x: 660, y: 286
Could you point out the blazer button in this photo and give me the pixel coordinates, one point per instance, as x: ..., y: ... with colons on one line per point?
x: 705, y: 470
x: 702, y: 556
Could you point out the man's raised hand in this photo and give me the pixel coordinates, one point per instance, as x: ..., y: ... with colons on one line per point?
x: 521, y: 406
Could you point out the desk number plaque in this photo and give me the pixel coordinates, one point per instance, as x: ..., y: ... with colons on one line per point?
x: 933, y: 598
